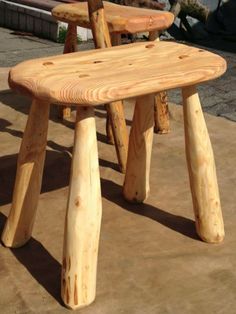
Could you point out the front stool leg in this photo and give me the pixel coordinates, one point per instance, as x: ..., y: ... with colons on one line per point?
x: 83, y: 217
x: 136, y: 185
x: 201, y: 167
x: 71, y: 45
x: 19, y: 225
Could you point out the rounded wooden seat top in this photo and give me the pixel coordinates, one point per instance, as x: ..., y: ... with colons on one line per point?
x: 120, y: 19
x: 105, y: 75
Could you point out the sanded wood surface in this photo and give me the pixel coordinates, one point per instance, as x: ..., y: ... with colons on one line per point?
x: 83, y: 218
x: 106, y: 75
x: 136, y: 185
x: 202, y: 172
x: 119, y: 18
x: 70, y: 46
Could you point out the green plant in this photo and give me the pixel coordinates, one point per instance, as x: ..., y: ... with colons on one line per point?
x: 62, y: 35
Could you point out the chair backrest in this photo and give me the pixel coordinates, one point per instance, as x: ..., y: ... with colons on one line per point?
x: 101, y: 35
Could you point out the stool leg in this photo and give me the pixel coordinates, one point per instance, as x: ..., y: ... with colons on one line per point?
x: 71, y: 45
x: 115, y: 111
x: 71, y: 39
x: 83, y: 217
x: 136, y: 185
x: 154, y: 35
x: 161, y: 112
x: 201, y: 167
x: 116, y: 41
x: 116, y: 126
x: 109, y: 132
x: 101, y: 37
x: 19, y: 225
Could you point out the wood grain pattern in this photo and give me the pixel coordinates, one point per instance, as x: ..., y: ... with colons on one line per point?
x: 202, y: 173
x: 83, y: 217
x: 19, y: 225
x: 136, y: 184
x: 120, y: 19
x: 91, y: 77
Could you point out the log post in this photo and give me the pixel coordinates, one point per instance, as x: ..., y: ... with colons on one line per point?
x: 136, y: 185
x: 201, y: 167
x: 115, y: 110
x: 19, y: 225
x: 116, y: 39
x: 71, y: 45
x: 83, y: 217
x: 161, y: 112
x: 154, y: 35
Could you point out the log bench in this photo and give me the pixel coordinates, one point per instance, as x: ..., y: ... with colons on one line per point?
x: 90, y: 78
x: 120, y: 20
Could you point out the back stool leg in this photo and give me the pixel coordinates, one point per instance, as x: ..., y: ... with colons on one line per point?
x: 136, y: 185
x: 71, y: 45
x: 161, y: 114
x: 116, y: 126
x: 19, y: 225
x: 115, y: 112
x: 161, y: 111
x: 201, y: 167
x: 71, y: 39
x: 83, y: 217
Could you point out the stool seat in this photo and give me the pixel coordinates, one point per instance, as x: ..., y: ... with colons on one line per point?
x: 120, y: 19
x: 105, y: 75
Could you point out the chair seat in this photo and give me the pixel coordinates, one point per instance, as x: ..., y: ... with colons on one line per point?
x: 105, y: 75
x: 121, y: 19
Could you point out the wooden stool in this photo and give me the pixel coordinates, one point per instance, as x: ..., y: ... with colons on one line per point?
x: 120, y: 20
x: 136, y: 70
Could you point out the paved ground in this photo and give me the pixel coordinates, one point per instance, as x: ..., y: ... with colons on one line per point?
x: 218, y: 97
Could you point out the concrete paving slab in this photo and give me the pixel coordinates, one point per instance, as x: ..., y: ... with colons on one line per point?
x: 17, y: 48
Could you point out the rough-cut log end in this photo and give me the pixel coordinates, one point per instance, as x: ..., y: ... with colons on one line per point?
x: 139, y: 199
x: 211, y: 236
x: 9, y: 242
x: 78, y: 306
x: 157, y: 131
